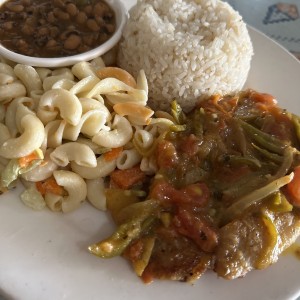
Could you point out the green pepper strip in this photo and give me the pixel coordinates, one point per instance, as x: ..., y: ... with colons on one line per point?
x: 235, y: 160
x: 177, y: 113
x: 240, y: 136
x: 177, y: 128
x: 266, y: 140
x: 271, y: 156
x: 287, y: 161
x: 121, y: 238
x: 136, y: 219
x: 198, y: 121
x: 265, y: 259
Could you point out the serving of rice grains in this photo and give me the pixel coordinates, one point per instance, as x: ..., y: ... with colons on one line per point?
x: 189, y: 49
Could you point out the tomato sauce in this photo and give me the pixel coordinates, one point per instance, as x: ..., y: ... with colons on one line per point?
x: 228, y: 147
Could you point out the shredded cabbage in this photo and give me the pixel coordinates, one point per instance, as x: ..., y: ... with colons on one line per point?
x: 32, y: 198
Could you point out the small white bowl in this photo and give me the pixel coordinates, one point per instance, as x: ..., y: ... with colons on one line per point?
x: 121, y: 18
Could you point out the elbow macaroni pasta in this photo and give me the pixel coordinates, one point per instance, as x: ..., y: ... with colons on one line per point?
x: 24, y: 104
x: 67, y: 103
x: 96, y: 193
x: 56, y: 75
x: 29, y: 77
x: 75, y: 187
x: 128, y: 159
x: 73, y: 117
x: 43, y: 171
x: 120, y: 134
x: 72, y: 151
x: 11, y: 91
x: 4, y: 134
x: 31, y: 138
x: 102, y: 168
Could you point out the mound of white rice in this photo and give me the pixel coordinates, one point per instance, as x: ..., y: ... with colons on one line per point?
x: 189, y: 49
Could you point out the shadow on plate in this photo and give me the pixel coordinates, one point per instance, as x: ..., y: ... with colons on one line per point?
x: 4, y: 296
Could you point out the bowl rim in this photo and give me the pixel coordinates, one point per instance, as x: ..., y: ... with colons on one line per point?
x: 121, y: 19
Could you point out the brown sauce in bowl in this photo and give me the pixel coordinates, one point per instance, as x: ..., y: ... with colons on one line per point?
x: 55, y: 28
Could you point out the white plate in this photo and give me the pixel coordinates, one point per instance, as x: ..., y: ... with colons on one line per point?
x: 44, y: 255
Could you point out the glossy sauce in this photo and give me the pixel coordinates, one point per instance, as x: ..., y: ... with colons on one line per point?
x: 203, y: 170
x: 214, y: 201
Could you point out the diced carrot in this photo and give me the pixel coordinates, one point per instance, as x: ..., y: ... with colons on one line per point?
x: 49, y: 186
x: 293, y: 188
x: 26, y: 160
x: 113, y: 153
x: 40, y: 187
x: 125, y: 179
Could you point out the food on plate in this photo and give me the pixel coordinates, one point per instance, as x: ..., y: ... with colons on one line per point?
x: 62, y: 131
x: 188, y: 49
x: 186, y: 190
x: 45, y: 28
x: 210, y: 182
x: 224, y: 197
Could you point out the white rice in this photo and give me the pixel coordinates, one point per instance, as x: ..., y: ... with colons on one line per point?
x: 189, y: 49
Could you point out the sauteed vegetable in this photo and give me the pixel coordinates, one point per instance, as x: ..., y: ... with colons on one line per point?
x: 225, y: 196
